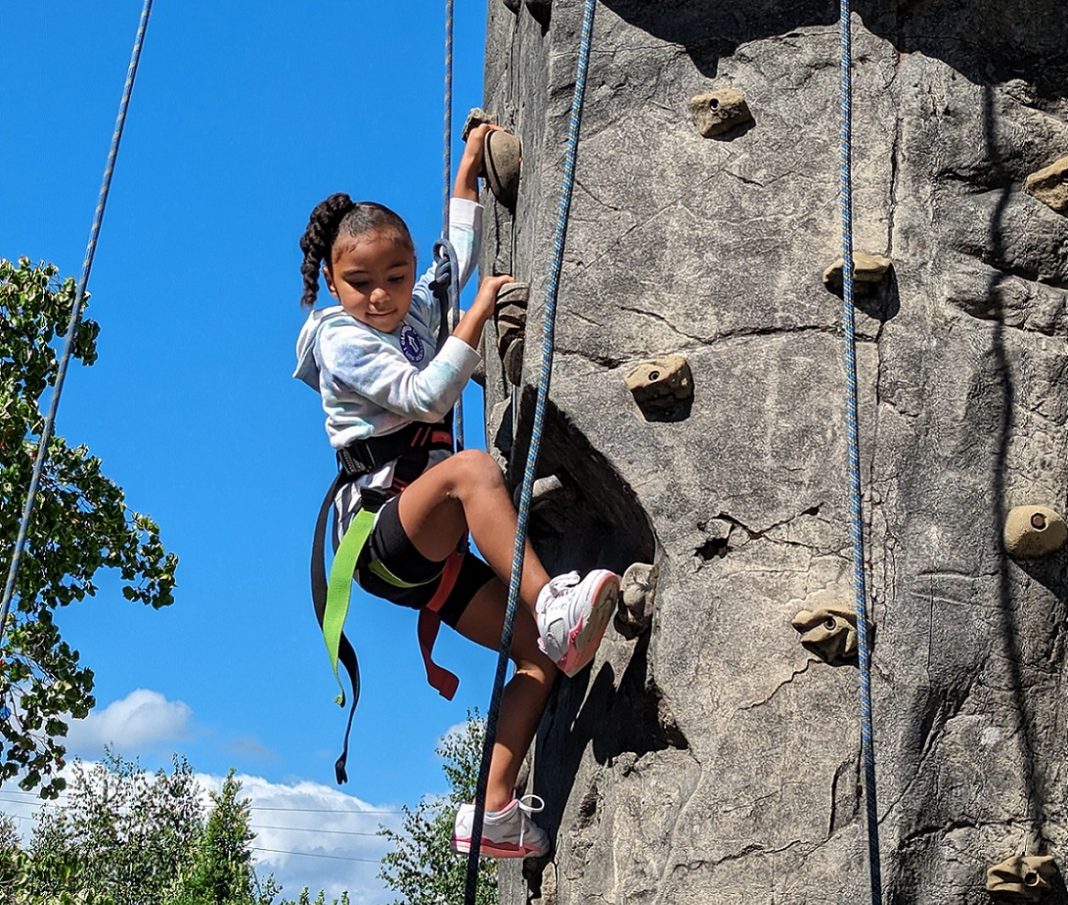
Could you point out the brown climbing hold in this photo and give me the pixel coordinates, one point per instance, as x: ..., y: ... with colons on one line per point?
x: 476, y: 116
x: 719, y: 111
x: 637, y: 592
x: 1034, y: 531
x: 510, y: 316
x: 502, y: 154
x: 1022, y: 878
x: 1050, y: 185
x: 663, y: 387
x: 867, y: 268
x: 828, y: 629
x: 546, y: 491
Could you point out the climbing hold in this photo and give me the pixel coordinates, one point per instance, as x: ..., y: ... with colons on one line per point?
x: 867, y: 268
x: 5, y: 712
x: 1022, y: 878
x: 637, y: 591
x: 663, y: 388
x: 502, y: 154
x: 719, y: 111
x: 478, y: 375
x: 1050, y: 185
x: 545, y: 491
x: 510, y: 316
x: 1034, y: 531
x: 477, y: 117
x: 828, y: 629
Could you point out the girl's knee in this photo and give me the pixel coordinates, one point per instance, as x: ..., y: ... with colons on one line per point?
x: 475, y: 467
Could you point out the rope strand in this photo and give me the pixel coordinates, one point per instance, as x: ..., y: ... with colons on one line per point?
x: 75, y: 318
x: 548, y: 344
x: 859, y: 583
x: 454, y: 286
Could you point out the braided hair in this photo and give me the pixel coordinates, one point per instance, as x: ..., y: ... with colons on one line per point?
x: 338, y: 216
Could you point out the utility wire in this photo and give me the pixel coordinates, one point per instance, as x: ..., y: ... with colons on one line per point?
x: 278, y: 851
x: 75, y: 318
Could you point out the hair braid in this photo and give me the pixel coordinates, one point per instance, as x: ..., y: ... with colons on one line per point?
x: 318, y: 239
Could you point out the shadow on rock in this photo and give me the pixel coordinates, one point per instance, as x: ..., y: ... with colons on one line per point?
x: 987, y: 41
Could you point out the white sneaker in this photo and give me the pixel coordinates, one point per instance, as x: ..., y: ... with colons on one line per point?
x: 508, y: 833
x: 572, y: 617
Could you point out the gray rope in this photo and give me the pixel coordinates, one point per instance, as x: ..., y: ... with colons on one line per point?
x: 75, y: 318
x: 548, y: 345
x: 859, y: 584
x: 454, y: 281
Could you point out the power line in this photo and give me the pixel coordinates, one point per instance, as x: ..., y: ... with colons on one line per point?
x: 310, y: 829
x: 276, y: 851
x: 325, y: 811
x: 351, y: 812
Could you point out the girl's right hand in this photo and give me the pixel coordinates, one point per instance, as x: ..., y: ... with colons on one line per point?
x: 474, y: 319
x: 486, y: 300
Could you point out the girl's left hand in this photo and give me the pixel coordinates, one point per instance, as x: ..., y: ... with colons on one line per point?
x: 476, y: 142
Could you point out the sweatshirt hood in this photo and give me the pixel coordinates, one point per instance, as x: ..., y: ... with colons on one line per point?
x: 307, y: 365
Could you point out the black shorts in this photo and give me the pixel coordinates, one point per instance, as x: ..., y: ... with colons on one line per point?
x: 390, y: 546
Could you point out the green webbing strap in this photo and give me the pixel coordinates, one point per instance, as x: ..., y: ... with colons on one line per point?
x: 379, y: 568
x: 339, y: 588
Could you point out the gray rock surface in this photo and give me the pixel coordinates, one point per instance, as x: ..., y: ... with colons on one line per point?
x: 714, y: 760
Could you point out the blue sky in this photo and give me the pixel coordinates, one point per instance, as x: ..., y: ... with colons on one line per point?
x: 245, y: 115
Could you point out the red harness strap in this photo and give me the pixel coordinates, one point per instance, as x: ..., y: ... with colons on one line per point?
x: 439, y: 678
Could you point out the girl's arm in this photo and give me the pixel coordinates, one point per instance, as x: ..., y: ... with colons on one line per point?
x: 466, y: 184
x: 356, y: 357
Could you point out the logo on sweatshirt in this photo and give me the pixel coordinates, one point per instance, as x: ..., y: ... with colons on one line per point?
x: 411, y: 345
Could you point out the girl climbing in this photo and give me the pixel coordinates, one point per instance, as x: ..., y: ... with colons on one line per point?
x: 387, y: 390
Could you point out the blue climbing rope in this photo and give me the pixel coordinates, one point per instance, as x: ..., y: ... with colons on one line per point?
x: 859, y: 585
x: 548, y: 344
x: 454, y: 281
x: 75, y: 318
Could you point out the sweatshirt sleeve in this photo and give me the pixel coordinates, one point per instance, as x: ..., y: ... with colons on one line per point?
x: 465, y: 234
x: 381, y: 374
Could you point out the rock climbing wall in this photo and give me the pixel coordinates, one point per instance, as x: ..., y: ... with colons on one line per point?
x: 713, y: 757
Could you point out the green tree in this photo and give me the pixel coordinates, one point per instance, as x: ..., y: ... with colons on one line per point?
x: 80, y: 525
x: 421, y: 867
x: 123, y: 837
x: 221, y: 872
x: 306, y: 899
x: 128, y: 837
x: 12, y: 862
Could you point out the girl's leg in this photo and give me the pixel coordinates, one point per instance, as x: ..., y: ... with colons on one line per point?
x: 525, y: 694
x: 465, y: 493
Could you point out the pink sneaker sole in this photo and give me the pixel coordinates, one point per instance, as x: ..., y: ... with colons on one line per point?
x: 586, y: 637
x: 490, y: 849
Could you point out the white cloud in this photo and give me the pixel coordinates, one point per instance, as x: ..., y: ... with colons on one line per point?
x: 140, y: 719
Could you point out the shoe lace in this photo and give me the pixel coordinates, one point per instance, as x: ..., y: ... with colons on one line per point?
x: 529, y: 804
x: 561, y: 583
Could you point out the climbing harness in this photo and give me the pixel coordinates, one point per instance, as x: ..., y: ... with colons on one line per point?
x: 548, y: 343
x: 859, y: 584
x: 75, y: 318
x: 410, y: 449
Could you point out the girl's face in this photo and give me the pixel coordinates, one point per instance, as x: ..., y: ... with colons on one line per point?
x: 372, y: 276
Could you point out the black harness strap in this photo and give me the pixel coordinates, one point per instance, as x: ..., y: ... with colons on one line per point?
x: 346, y: 653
